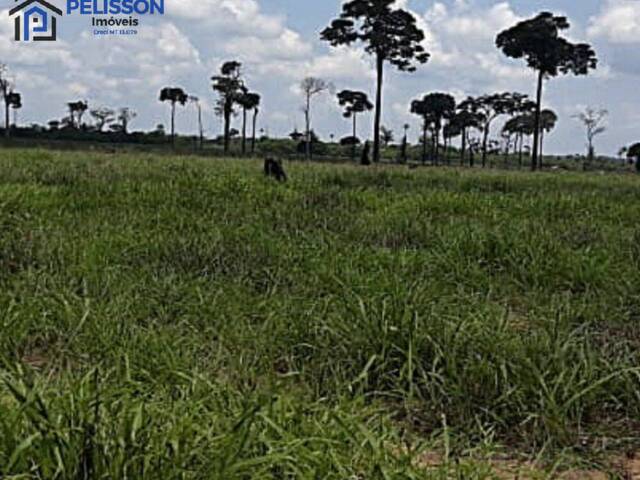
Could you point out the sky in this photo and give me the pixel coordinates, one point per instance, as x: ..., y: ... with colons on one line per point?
x: 278, y: 43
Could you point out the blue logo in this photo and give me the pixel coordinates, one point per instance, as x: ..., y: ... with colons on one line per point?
x: 35, y: 20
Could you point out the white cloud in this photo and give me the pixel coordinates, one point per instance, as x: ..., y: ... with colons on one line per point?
x: 618, y: 22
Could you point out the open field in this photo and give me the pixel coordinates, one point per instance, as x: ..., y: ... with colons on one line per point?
x: 173, y: 317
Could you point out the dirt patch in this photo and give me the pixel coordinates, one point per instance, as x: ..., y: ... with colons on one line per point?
x: 627, y: 468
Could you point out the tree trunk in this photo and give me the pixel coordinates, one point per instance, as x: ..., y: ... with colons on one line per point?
x: 437, y: 145
x: 378, y: 115
x: 253, y: 134
x: 227, y: 129
x: 521, y: 148
x: 536, y: 130
x: 7, y: 121
x: 307, y: 120
x: 485, y: 141
x: 507, y: 148
x: 541, y: 153
x: 463, y: 146
x: 424, y: 144
x: 244, y: 131
x: 200, y: 129
x: 445, y: 160
x: 173, y: 123
x: 355, y: 134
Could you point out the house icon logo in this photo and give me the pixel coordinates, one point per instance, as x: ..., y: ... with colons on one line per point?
x: 35, y: 20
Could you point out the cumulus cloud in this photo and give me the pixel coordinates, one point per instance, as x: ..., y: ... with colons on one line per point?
x: 618, y: 22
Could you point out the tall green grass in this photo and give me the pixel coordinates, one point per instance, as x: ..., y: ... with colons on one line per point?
x: 187, y: 318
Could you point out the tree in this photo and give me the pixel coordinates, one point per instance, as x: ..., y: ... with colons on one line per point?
x: 489, y: 107
x: 592, y: 120
x: 15, y: 101
x: 103, y: 117
x: 76, y: 112
x: 196, y: 102
x: 420, y: 108
x: 255, y: 102
x: 311, y: 87
x: 174, y: 95
x: 386, y: 135
x: 6, y: 89
x: 230, y: 87
x: 296, y: 136
x: 354, y: 102
x: 451, y: 130
x: 465, y: 120
x: 405, y: 143
x: 548, y: 120
x: 389, y: 34
x: 434, y: 109
x: 125, y: 116
x: 520, y: 126
x: 538, y: 41
x: 633, y: 153
x: 248, y: 101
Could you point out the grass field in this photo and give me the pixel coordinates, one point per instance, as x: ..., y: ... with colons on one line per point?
x: 183, y: 318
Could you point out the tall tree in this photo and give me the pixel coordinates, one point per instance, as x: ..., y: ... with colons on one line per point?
x: 490, y: 107
x: 520, y: 126
x: 419, y: 107
x: 311, y: 86
x: 174, y: 95
x: 450, y: 131
x: 255, y: 103
x: 465, y: 120
x: 593, y: 121
x: 230, y: 87
x: 6, y: 89
x: 248, y: 101
x: 103, y: 117
x: 538, y: 41
x: 354, y: 102
x: 390, y: 35
x: 434, y: 109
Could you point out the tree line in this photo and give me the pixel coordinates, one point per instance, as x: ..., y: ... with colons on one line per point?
x: 392, y: 37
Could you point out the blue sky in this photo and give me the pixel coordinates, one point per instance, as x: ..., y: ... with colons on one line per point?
x: 277, y: 41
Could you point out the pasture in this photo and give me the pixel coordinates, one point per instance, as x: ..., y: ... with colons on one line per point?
x: 186, y: 318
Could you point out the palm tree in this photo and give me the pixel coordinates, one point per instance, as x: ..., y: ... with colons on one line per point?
x: 173, y: 95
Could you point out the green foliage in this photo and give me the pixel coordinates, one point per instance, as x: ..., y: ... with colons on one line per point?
x: 174, y: 317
